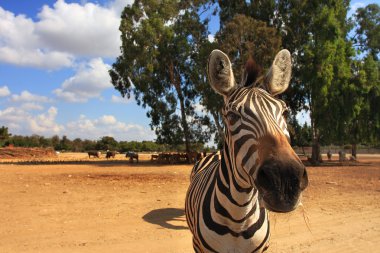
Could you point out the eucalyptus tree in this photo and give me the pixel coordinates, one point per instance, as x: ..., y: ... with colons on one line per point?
x: 160, y: 41
x: 316, y: 33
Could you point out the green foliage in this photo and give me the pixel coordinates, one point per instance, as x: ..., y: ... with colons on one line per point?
x: 103, y: 144
x: 4, y: 136
x: 243, y: 37
x: 106, y: 143
x: 367, y: 37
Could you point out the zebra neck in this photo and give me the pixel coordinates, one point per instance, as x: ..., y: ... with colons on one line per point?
x: 234, y: 184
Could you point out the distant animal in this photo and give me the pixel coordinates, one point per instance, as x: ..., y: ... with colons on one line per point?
x: 154, y: 157
x: 94, y: 154
x: 110, y: 154
x: 329, y: 155
x: 231, y: 191
x: 132, y: 155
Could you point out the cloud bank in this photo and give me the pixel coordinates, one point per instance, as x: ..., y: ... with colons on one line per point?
x: 61, y: 34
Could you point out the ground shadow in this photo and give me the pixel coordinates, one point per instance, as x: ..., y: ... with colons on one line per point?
x: 164, y: 216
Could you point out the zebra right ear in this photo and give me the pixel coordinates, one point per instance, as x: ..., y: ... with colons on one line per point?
x: 220, y: 73
x: 278, y: 77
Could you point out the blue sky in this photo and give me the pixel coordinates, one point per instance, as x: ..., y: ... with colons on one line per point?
x: 54, y: 58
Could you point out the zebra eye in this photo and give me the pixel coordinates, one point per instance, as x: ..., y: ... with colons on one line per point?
x: 232, y: 117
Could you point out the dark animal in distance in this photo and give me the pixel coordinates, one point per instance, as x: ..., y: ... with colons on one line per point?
x: 94, y: 154
x: 132, y: 155
x: 110, y: 154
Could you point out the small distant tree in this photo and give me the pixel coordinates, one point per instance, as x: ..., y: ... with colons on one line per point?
x: 107, y: 143
x: 64, y: 143
x: 77, y: 145
x: 4, y: 136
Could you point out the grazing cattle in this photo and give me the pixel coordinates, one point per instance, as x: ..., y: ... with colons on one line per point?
x: 154, y: 157
x: 132, y: 155
x: 110, y: 154
x: 94, y: 154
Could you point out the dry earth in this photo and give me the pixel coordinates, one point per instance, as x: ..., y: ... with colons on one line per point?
x: 95, y: 205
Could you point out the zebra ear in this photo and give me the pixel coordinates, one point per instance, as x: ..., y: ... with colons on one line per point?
x: 278, y: 77
x: 220, y: 73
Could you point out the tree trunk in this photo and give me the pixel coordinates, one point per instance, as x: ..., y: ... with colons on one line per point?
x: 354, y: 150
x: 218, y: 126
x: 176, y: 81
x: 315, y: 152
x: 315, y: 149
x: 185, y: 125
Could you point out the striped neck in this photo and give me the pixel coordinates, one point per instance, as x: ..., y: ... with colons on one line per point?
x: 239, y: 198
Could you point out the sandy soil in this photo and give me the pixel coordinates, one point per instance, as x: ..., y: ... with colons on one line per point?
x: 114, y: 206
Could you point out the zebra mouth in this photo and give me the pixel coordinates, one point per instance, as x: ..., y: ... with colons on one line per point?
x: 278, y: 206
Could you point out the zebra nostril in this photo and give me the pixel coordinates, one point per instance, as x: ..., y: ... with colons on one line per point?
x: 264, y: 179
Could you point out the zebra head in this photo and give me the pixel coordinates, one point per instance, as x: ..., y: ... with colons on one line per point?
x: 256, y: 138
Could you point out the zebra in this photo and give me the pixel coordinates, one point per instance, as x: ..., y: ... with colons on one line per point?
x: 231, y: 191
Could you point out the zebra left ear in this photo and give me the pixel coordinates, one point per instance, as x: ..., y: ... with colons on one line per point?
x: 220, y: 73
x: 278, y: 77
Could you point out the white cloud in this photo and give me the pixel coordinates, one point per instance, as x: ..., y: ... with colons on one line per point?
x: 88, y: 82
x: 35, y: 58
x: 107, y: 120
x: 24, y: 123
x: 26, y: 96
x: 84, y: 30
x: 31, y: 106
x: 44, y: 124
x: 87, y: 128
x: 61, y: 34
x: 211, y: 37
x: 4, y: 91
x: 19, y: 45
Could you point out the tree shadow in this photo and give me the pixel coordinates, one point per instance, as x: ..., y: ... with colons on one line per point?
x: 164, y: 216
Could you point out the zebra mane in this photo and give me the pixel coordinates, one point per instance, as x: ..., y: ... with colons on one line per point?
x: 252, y: 71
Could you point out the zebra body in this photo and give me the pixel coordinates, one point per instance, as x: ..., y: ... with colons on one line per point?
x: 230, y: 191
x: 245, y: 225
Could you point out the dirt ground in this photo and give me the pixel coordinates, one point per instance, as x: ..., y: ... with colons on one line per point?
x: 95, y: 205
